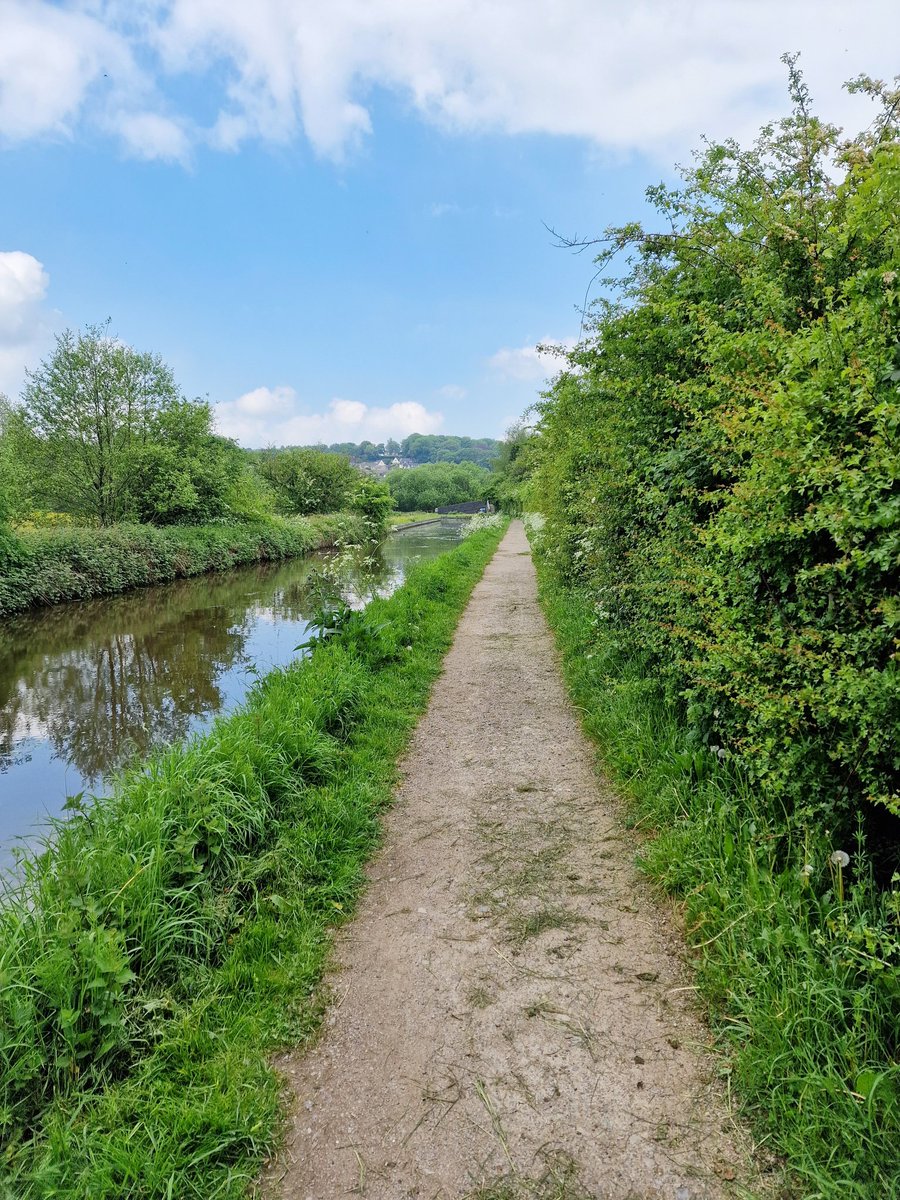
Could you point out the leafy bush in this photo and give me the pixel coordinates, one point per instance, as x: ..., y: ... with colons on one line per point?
x: 721, y: 468
x: 308, y: 481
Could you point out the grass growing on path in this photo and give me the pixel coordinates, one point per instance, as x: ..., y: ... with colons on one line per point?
x: 173, y: 935
x: 797, y: 956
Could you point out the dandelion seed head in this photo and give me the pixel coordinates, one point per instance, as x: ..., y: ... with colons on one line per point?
x: 840, y: 858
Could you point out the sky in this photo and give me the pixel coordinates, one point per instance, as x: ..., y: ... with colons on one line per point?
x: 330, y: 219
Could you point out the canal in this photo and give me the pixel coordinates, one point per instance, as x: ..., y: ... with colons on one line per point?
x: 87, y: 687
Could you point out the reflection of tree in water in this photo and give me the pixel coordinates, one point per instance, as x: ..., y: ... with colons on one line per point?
x: 105, y: 679
x: 102, y: 680
x: 120, y: 693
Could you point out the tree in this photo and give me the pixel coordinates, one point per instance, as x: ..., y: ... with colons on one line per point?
x: 183, y: 472
x: 434, y: 484
x: 308, y: 481
x: 89, y: 407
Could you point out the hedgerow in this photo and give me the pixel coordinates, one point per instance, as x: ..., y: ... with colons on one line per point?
x: 719, y: 468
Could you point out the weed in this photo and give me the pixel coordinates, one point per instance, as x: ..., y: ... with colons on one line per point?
x: 525, y: 926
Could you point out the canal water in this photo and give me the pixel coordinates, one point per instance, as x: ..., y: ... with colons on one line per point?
x: 87, y: 687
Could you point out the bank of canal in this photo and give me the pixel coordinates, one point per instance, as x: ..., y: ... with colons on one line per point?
x: 87, y: 686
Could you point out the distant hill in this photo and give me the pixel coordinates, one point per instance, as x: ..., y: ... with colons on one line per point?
x: 421, y: 448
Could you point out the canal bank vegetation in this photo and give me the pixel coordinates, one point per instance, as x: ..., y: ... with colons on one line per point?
x: 717, y: 465
x: 171, y: 937
x: 47, y: 566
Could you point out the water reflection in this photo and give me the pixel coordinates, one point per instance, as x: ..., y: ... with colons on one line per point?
x: 84, y: 687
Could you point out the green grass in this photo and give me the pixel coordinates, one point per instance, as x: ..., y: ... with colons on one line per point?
x: 173, y: 936
x: 407, y: 518
x: 48, y: 566
x: 801, y: 972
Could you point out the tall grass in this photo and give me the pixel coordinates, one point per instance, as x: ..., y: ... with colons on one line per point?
x: 797, y: 955
x: 169, y: 937
x: 51, y: 565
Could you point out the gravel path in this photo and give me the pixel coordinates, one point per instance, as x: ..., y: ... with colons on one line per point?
x: 510, y: 1016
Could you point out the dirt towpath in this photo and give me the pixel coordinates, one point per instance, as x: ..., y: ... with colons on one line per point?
x: 510, y: 1015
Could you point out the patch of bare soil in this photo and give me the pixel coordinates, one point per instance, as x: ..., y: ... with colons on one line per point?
x: 510, y: 1016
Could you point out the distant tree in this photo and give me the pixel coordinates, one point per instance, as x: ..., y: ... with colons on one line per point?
x: 435, y: 484
x: 89, y: 407
x: 309, y: 481
x: 513, y: 467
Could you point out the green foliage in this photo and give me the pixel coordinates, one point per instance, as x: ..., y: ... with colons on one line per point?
x: 719, y: 472
x: 797, y: 957
x: 171, y: 936
x: 428, y: 487
x: 308, y: 481
x: 421, y: 448
x: 373, y: 501
x: 103, y: 434
x: 722, y: 467
x: 444, y: 448
x: 88, y: 407
x: 53, y: 565
x: 512, y: 469
x: 183, y: 473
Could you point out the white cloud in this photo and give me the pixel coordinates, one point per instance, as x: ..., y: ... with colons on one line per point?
x: 453, y: 391
x: 23, y: 285
x: 24, y: 330
x: 49, y: 58
x: 274, y: 416
x: 529, y: 363
x: 649, y: 76
x: 150, y: 135
x: 442, y: 209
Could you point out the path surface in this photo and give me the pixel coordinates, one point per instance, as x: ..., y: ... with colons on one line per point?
x: 510, y: 1016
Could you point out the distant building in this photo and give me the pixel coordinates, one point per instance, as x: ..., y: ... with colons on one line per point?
x: 380, y: 467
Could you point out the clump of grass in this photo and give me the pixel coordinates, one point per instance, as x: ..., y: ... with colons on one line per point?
x: 557, y: 1181
x: 168, y: 938
x: 797, y: 952
x: 524, y: 926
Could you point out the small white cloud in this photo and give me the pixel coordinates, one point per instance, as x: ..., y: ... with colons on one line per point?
x: 275, y: 416
x: 529, y: 363
x: 452, y: 391
x: 150, y: 135
x: 266, y: 402
x: 444, y: 210
x: 23, y: 285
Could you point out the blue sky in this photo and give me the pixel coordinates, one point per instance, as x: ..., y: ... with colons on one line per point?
x: 329, y: 220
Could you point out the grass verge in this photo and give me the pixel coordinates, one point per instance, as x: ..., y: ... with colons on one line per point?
x: 48, y: 566
x: 172, y: 936
x: 797, y: 954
